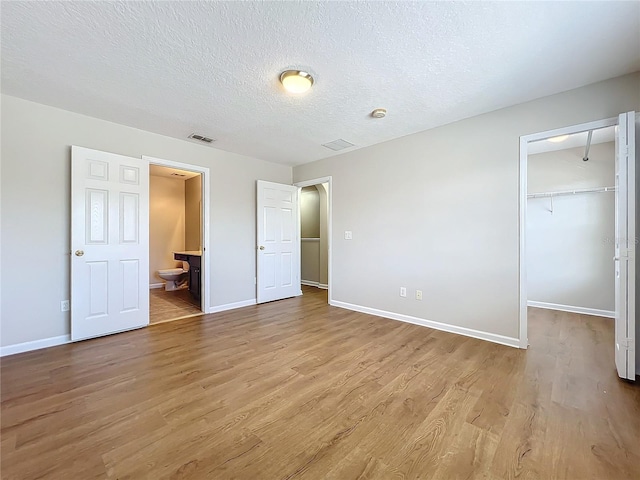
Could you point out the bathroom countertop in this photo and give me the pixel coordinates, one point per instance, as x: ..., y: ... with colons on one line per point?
x: 194, y: 253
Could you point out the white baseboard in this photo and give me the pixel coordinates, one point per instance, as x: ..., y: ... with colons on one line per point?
x: 156, y: 285
x: 309, y: 283
x: 34, y: 345
x: 572, y: 309
x: 467, y: 332
x: 231, y: 306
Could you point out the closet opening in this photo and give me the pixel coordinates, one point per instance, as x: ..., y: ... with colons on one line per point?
x: 570, y: 223
x: 577, y: 232
x: 315, y: 234
x: 570, y: 235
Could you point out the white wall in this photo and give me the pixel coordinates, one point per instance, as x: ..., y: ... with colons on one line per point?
x: 193, y: 213
x: 570, y: 251
x: 166, y: 223
x: 309, y: 212
x: 438, y: 211
x: 310, y: 235
x: 36, y: 142
x: 637, y: 344
x: 323, y: 190
x: 314, y: 206
x: 310, y: 261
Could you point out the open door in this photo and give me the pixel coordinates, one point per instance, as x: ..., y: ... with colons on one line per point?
x: 278, y: 249
x: 109, y: 243
x: 625, y: 246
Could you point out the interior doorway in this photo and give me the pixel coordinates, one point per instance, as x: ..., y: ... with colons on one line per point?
x: 315, y: 233
x: 179, y: 264
x: 110, y: 242
x: 577, y: 213
x: 314, y: 264
x: 175, y: 243
x: 570, y: 225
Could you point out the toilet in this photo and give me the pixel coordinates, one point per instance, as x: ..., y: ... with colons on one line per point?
x: 176, y: 278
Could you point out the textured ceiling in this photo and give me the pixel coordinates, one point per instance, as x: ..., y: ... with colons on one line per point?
x: 168, y: 172
x: 212, y: 67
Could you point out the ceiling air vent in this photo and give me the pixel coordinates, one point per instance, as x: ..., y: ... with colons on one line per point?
x: 202, y: 138
x: 338, y: 145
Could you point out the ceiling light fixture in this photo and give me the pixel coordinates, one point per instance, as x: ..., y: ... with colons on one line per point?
x: 558, y: 139
x: 296, y: 81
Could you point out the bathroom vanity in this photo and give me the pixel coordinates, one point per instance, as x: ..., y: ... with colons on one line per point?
x: 195, y: 265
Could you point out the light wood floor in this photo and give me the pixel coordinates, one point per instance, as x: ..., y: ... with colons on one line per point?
x: 298, y: 389
x: 165, y: 305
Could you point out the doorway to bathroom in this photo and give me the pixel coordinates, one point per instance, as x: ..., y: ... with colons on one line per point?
x: 177, y: 241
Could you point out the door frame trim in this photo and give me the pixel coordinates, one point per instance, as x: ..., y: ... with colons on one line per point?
x: 206, y: 227
x: 310, y: 183
x: 522, y: 200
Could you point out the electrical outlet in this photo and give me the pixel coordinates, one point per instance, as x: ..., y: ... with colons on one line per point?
x: 403, y: 291
x: 64, y: 306
x: 418, y: 294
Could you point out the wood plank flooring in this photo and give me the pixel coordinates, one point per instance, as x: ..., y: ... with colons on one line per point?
x: 299, y: 390
x: 164, y: 306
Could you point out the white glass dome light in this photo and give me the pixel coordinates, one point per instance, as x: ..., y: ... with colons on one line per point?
x: 296, y: 81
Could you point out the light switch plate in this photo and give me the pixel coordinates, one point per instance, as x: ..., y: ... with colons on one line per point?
x: 348, y: 235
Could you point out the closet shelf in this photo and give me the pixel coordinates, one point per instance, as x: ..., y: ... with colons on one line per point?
x: 571, y: 192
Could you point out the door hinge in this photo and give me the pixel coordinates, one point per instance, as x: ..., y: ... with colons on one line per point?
x: 627, y: 343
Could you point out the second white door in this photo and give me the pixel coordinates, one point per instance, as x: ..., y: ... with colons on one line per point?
x: 278, y: 249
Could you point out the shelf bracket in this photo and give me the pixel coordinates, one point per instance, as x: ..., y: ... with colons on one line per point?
x: 587, y: 147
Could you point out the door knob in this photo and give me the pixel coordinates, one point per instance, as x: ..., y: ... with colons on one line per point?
x: 261, y: 247
x: 79, y: 253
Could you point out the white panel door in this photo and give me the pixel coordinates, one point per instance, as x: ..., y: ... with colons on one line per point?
x: 109, y: 243
x: 278, y: 237
x: 625, y: 246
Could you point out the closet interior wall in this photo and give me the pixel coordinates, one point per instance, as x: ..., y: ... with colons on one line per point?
x: 570, y: 229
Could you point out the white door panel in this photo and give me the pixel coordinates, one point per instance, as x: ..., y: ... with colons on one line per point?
x: 625, y: 246
x: 278, y: 259
x: 109, y: 243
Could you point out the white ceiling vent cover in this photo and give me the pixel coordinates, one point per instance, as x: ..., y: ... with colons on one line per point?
x: 202, y: 138
x: 338, y: 145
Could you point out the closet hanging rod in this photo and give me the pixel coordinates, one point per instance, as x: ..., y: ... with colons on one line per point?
x: 571, y: 192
